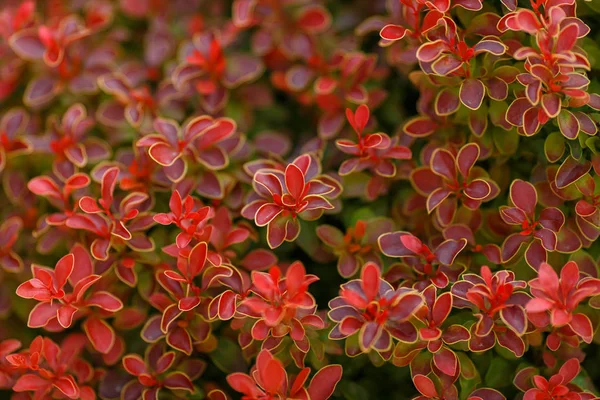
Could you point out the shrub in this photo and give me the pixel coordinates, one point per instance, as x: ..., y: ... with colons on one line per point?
x: 309, y: 199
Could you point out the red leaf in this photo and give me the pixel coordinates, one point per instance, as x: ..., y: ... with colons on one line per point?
x: 567, y: 38
x: 538, y: 305
x: 471, y: 93
x: 180, y: 339
x: 105, y: 300
x: 197, y: 259
x: 109, y: 181
x: 527, y: 21
x: 425, y: 386
x: 222, y: 129
x: 582, y: 326
x: 41, y: 314
x: 406, y: 307
x: 536, y: 252
x: 267, y: 213
x: 276, y: 232
x: 436, y: 198
x: 466, y: 158
x: 65, y: 315
x: 569, y: 370
x: 163, y: 154
x: 548, y: 278
x: 244, y: 384
x: 165, y: 362
x: 571, y: 171
x: 551, y: 104
x: 447, y: 251
x: 258, y: 259
x: 420, y: 127
x: 370, y: 277
x: 391, y: 245
x: 100, y: 334
x: 83, y: 262
x: 361, y: 117
x: 514, y: 317
x: 314, y: 19
x: 227, y: 305
x: 134, y: 364
x: 84, y: 284
x: 64, y: 268
x: 44, y: 186
x: 446, y: 361
x: 323, y: 384
x: 271, y: 372
x: 392, y: 32
x: 442, y: 308
x: 425, y: 180
x: 178, y: 381
x: 446, y: 102
x: 509, y: 340
x: 294, y: 181
x: 524, y: 196
x: 446, y: 64
x: 516, y: 111
x: 443, y: 164
x: 478, y: 189
x: 568, y: 124
x: 30, y: 382
x: 368, y: 335
x: 430, y: 51
x: 294, y: 278
x: 492, y: 46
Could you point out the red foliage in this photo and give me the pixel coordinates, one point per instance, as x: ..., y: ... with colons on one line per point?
x: 555, y: 300
x: 373, y: 309
x: 195, y: 171
x: 297, y: 192
x: 270, y: 380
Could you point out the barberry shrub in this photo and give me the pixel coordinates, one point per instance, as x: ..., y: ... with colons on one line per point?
x: 299, y: 199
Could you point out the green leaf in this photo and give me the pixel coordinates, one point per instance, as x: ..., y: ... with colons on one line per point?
x: 354, y: 391
x: 363, y: 213
x: 308, y: 239
x: 575, y: 149
x: 591, y: 144
x: 497, y: 375
x: 468, y: 371
x: 497, y: 112
x: 355, y: 184
x: 467, y: 386
x: 507, y: 142
x: 198, y: 394
x: 554, y: 146
x: 228, y: 357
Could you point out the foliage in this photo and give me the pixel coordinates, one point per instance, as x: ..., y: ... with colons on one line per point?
x: 299, y: 199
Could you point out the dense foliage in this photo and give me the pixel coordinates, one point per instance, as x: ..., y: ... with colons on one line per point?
x: 299, y: 199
